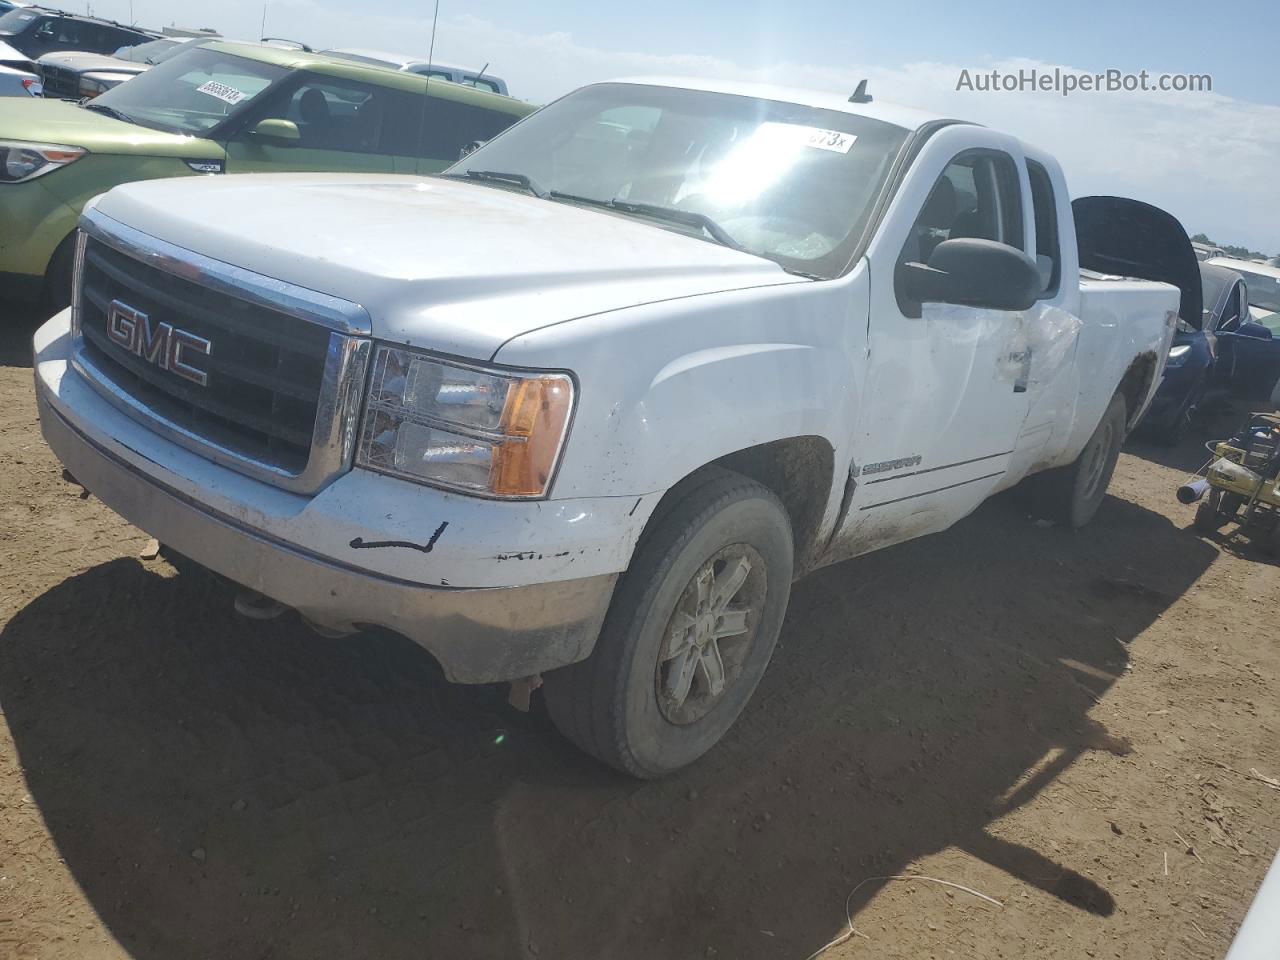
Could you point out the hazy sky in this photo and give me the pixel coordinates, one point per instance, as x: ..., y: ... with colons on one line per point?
x: 1210, y: 158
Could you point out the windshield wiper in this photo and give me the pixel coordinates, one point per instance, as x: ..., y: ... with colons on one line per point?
x: 689, y: 218
x: 499, y: 176
x: 111, y: 112
x: 574, y: 198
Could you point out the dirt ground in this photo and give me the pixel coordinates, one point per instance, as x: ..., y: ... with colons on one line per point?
x: 1067, y: 724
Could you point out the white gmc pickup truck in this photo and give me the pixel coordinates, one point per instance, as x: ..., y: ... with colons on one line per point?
x: 585, y: 405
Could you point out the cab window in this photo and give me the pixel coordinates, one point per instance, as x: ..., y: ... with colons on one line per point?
x: 347, y: 116
x: 977, y: 196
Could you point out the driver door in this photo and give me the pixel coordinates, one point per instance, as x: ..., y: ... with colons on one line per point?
x: 945, y: 395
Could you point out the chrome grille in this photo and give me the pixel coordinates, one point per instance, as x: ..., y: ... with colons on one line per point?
x: 60, y: 81
x: 264, y: 369
x: 282, y: 390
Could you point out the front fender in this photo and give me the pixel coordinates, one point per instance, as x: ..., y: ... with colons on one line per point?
x: 669, y: 387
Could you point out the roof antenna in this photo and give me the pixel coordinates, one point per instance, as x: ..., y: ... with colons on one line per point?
x: 431, y: 54
x: 860, y: 94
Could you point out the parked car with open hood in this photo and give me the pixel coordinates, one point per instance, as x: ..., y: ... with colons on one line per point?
x: 1192, y: 366
x: 73, y: 74
x: 584, y: 406
x: 218, y: 108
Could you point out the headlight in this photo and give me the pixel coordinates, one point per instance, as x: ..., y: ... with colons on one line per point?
x: 1178, y: 355
x: 495, y: 433
x: 93, y: 84
x: 21, y: 161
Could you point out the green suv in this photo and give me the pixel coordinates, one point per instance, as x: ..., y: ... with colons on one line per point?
x: 217, y: 108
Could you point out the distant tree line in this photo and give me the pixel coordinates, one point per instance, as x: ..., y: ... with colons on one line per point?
x: 1240, y: 253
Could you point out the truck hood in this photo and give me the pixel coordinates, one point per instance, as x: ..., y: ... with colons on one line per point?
x: 456, y: 267
x: 64, y: 122
x: 83, y: 62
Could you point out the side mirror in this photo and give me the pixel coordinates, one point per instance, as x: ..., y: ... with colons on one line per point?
x: 973, y: 273
x: 1254, y: 331
x: 274, y: 128
x: 471, y: 148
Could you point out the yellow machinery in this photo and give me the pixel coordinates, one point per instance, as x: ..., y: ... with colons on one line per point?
x: 1241, y: 482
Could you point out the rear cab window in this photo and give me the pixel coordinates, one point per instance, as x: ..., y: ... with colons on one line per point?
x: 1045, y: 211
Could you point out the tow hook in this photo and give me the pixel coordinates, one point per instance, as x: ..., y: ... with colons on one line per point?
x: 522, y: 690
x: 256, y: 606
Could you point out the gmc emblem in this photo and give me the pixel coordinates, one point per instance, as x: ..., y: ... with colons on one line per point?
x: 164, y: 344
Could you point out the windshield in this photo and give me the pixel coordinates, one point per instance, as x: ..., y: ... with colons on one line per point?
x: 15, y: 20
x: 1264, y: 289
x: 145, y: 52
x: 791, y: 183
x: 192, y: 93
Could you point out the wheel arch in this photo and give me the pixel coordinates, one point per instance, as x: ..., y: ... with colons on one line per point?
x: 1136, y: 386
x: 799, y: 471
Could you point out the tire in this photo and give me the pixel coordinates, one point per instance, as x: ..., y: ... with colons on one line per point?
x: 1209, y: 517
x: 56, y: 295
x: 623, y: 704
x: 1171, y: 433
x: 1071, y: 495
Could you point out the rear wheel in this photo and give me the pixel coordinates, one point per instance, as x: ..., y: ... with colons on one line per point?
x: 1072, y: 494
x: 689, y: 634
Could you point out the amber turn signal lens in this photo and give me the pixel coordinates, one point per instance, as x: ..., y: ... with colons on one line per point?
x: 535, y: 419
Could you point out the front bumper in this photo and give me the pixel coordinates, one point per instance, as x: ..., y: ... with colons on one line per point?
x: 547, y: 614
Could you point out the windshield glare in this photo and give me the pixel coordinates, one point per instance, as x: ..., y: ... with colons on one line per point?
x: 192, y: 92
x: 145, y: 52
x: 13, y: 21
x: 791, y: 183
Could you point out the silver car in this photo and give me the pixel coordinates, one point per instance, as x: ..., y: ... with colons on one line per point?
x: 395, y: 61
x: 19, y: 83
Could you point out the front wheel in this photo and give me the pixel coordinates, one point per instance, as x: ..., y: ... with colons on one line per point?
x: 689, y: 633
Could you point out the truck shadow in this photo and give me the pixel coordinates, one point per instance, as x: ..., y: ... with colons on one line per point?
x: 18, y: 321
x: 231, y: 789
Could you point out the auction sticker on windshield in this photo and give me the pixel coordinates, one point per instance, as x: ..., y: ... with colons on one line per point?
x: 829, y: 139
x: 223, y: 92
x: 794, y: 133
